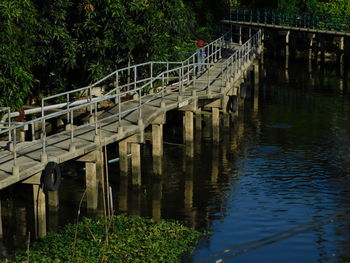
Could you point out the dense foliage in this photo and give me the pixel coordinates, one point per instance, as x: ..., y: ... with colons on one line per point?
x: 122, y: 239
x: 334, y: 7
x: 50, y: 46
x: 18, y: 21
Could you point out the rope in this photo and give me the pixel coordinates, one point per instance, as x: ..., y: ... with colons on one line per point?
x: 275, y: 237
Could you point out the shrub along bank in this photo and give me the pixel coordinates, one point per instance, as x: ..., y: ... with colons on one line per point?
x: 120, y: 239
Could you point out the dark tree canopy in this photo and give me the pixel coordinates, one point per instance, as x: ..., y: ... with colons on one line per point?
x: 51, y: 46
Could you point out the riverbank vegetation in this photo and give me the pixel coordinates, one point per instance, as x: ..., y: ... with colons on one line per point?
x: 332, y: 7
x: 52, y: 46
x: 119, y: 239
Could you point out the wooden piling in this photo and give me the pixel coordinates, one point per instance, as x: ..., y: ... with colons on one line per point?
x: 39, y: 210
x: 136, y: 164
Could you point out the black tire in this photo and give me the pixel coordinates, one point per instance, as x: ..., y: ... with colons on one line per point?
x: 51, y: 177
x: 230, y: 107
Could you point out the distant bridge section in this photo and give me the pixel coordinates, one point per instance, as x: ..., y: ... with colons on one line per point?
x: 279, y: 19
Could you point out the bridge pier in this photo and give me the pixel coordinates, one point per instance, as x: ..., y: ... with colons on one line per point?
x: 39, y: 210
x: 157, y: 200
x: 157, y: 142
x: 340, y: 56
x: 91, y: 185
x: 198, y: 123
x: 94, y: 172
x: 123, y: 194
x: 286, y: 35
x: 136, y: 163
x: 157, y: 148
x: 132, y: 146
x: 311, y: 37
x: 39, y: 200
x: 188, y: 126
x: 123, y: 157
x: 53, y: 200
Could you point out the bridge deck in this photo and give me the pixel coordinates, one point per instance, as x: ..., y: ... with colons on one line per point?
x: 29, y: 158
x: 287, y: 27
x: 128, y: 117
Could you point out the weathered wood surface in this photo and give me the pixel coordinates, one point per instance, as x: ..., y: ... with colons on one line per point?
x: 58, y: 148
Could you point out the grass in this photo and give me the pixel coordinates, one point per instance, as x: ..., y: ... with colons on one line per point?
x: 118, y: 239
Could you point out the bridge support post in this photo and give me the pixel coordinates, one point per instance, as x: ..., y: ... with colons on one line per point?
x: 123, y: 194
x: 198, y: 123
x: 157, y: 200
x: 91, y: 185
x: 341, y: 50
x: 94, y: 171
x: 136, y: 164
x: 311, y: 38
x: 157, y: 148
x: 216, y: 125
x: 39, y: 210
x: 123, y: 157
x: 53, y: 200
x: 188, y: 133
x: 286, y: 35
x: 226, y: 115
x: 188, y: 127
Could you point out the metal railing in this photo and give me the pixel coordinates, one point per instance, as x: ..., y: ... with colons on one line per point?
x: 292, y: 19
x: 161, y: 78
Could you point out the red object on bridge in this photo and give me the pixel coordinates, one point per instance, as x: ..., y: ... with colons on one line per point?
x: 200, y: 43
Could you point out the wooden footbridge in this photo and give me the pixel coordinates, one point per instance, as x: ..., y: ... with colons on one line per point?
x: 128, y: 101
x: 316, y: 31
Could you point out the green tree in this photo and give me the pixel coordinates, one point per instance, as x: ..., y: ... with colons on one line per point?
x: 17, y: 35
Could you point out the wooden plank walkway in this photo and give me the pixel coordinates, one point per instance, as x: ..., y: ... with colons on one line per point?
x: 58, y: 147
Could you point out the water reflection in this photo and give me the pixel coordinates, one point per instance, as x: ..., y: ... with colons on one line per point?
x: 284, y: 161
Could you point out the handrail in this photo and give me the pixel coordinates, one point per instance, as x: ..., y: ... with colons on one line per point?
x: 292, y: 19
x: 177, y: 74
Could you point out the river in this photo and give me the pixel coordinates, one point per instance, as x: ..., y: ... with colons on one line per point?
x: 275, y: 189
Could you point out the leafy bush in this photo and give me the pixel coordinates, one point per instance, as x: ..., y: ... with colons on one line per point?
x: 123, y: 239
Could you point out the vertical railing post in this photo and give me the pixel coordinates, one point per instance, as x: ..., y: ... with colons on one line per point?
x: 119, y: 102
x: 43, y: 128
x: 208, y: 78
x: 14, y: 147
x: 67, y: 107
x: 152, y: 75
x: 180, y: 79
x: 194, y: 65
x: 163, y: 87
x: 90, y: 98
x: 140, y: 104
x: 116, y: 85
x: 72, y: 126
x: 188, y: 71
x: 95, y: 117
x: 135, y: 77
x: 9, y: 121
x: 167, y: 73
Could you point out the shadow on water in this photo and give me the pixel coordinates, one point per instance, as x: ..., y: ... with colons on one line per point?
x: 280, y: 165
